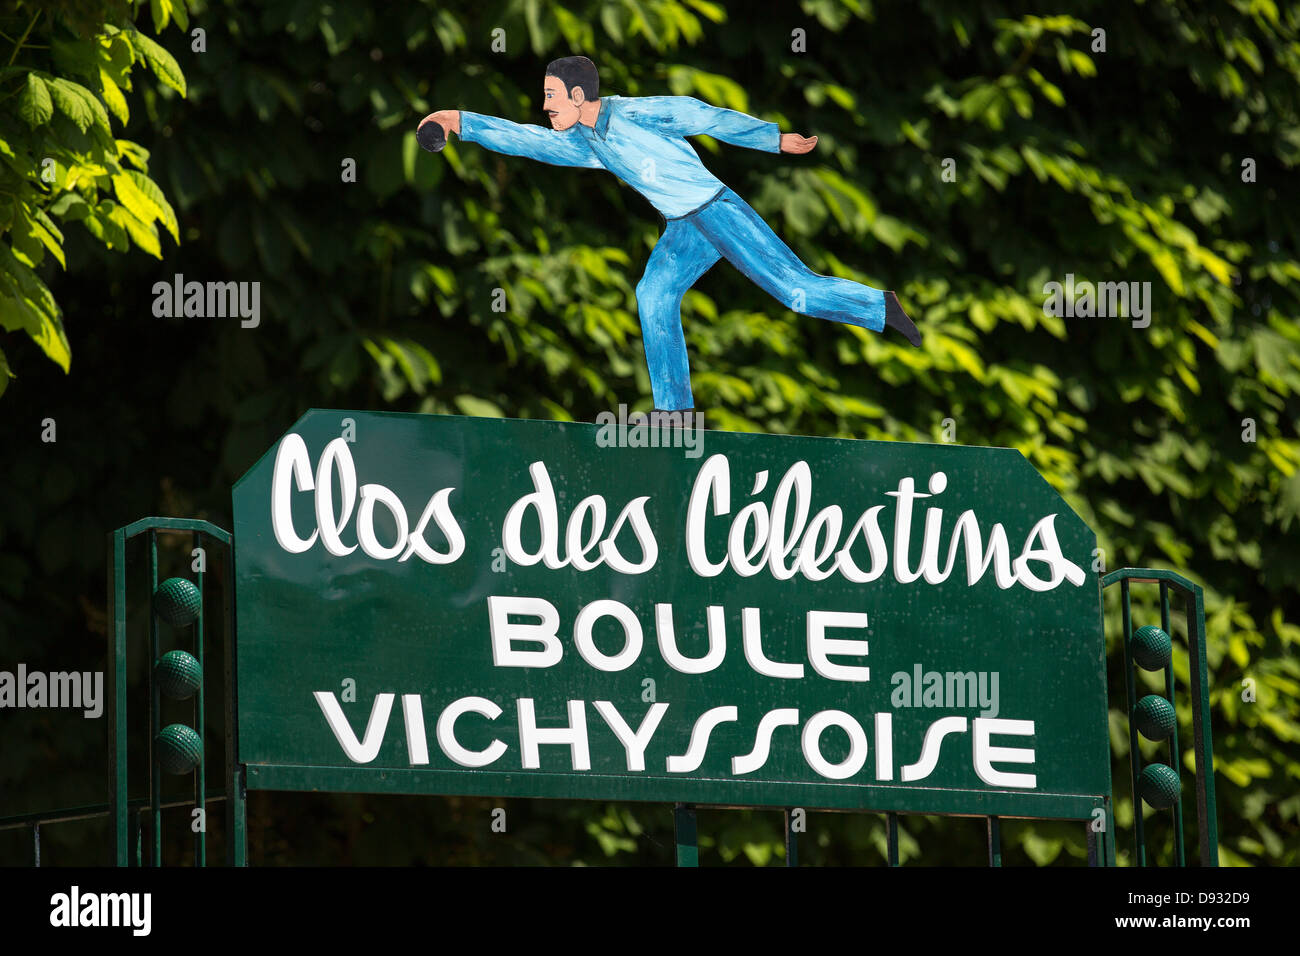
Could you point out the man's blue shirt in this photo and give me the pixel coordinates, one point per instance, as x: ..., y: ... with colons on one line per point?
x: 641, y: 140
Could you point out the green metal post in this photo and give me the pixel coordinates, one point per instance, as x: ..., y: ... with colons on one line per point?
x: 1206, y: 811
x: 236, y: 794
x: 117, y: 743
x: 791, y: 841
x: 1175, y: 760
x: 200, y: 774
x: 155, y: 701
x: 1108, y: 844
x: 686, y: 835
x: 1100, y: 844
x: 995, y: 841
x: 891, y: 837
x: 137, y: 842
x: 1134, y: 757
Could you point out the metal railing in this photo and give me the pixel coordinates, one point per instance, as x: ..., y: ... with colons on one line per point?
x: 94, y: 811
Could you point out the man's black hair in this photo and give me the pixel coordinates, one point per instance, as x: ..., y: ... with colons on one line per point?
x: 576, y: 71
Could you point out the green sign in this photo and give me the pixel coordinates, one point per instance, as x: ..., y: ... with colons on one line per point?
x: 441, y: 604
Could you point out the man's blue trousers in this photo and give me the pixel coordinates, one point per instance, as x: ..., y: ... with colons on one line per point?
x: 726, y: 227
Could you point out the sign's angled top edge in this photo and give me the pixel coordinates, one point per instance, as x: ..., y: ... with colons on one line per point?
x: 257, y: 463
x: 387, y: 413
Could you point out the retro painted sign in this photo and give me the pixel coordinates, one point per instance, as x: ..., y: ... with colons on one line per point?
x: 443, y: 604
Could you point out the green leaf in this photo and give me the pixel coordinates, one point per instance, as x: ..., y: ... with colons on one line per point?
x: 140, y: 203
x: 160, y: 61
x: 80, y: 104
x: 28, y: 304
x: 1167, y: 266
x: 113, y: 97
x: 1217, y: 267
x: 70, y: 103
x: 709, y: 10
x: 133, y: 153
x: 1042, y: 850
x: 478, y: 407
x: 116, y: 56
x: 101, y: 224
x: 54, y: 341
x: 34, y: 103
x: 27, y: 246
x: 34, y: 232
x: 978, y: 100
x: 892, y: 232
x: 70, y: 206
x: 142, y: 233
x: 50, y: 235
x: 149, y: 189
x: 164, y: 11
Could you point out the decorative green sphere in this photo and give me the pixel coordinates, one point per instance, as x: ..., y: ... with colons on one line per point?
x: 1159, y: 786
x: 1151, y: 647
x: 1154, y: 717
x: 179, y: 748
x: 177, y: 602
x: 178, y: 675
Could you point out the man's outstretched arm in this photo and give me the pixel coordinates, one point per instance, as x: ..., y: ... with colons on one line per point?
x: 515, y: 139
x: 687, y: 116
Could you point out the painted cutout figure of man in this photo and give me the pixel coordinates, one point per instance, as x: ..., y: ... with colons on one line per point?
x: 642, y: 141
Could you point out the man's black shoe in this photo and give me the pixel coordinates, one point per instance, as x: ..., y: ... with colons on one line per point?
x: 896, y: 318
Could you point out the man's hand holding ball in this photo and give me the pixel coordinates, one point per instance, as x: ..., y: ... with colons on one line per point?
x: 433, y: 129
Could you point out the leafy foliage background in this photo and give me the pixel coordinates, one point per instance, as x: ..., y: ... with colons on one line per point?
x: 1122, y: 165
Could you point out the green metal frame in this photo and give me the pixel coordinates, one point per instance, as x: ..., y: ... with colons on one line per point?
x: 1198, y: 679
x: 127, y: 841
